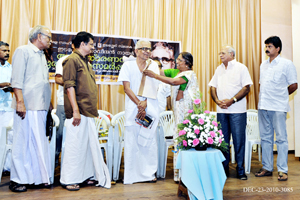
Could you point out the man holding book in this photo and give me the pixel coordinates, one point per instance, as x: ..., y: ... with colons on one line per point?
x: 140, y: 156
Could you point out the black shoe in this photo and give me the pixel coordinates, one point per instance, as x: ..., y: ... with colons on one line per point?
x: 227, y: 172
x: 242, y: 176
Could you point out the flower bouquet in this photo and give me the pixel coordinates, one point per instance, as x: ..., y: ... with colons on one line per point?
x: 200, y: 128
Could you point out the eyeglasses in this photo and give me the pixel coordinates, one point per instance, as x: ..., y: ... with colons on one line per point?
x: 46, y: 35
x: 164, y: 60
x: 145, y: 49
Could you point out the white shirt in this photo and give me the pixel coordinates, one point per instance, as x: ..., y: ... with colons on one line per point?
x: 130, y: 72
x: 59, y: 70
x: 30, y: 73
x: 229, y: 82
x: 275, y: 77
x: 5, y: 97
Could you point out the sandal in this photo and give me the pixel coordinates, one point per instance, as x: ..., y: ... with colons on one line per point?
x: 74, y: 187
x: 16, y: 187
x: 282, y: 176
x: 90, y: 182
x: 153, y: 181
x: 262, y: 172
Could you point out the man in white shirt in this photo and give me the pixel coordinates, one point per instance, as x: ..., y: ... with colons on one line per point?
x: 278, y: 79
x: 140, y: 154
x: 229, y: 87
x: 6, y: 112
x: 31, y: 163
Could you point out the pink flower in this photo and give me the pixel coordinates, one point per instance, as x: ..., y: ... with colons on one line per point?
x: 212, y: 134
x: 221, y: 133
x: 197, y: 101
x: 195, y: 142
x: 190, y: 111
x: 186, y: 121
x: 197, y: 131
x: 210, y: 140
x: 220, y: 140
x: 182, y: 132
x: 201, y: 121
x: 184, y: 143
x: 207, y: 111
x: 215, y: 123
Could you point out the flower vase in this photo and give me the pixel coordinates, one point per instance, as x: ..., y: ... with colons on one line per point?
x: 201, y: 147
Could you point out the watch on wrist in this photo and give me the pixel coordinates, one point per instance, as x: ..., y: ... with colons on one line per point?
x: 234, y: 99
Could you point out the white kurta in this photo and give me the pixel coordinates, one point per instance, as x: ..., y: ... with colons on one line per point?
x: 140, y: 161
x: 31, y: 163
x: 82, y: 155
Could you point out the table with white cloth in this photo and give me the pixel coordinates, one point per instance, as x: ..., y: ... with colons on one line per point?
x: 202, y: 173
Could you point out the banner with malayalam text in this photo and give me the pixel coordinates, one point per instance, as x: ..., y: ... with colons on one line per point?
x: 107, y: 57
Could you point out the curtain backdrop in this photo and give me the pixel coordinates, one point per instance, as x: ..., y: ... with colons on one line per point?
x: 202, y: 26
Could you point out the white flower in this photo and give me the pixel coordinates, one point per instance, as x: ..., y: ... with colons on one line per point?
x: 195, y: 127
x: 201, y: 128
x: 193, y: 116
x: 191, y: 135
x: 206, y: 130
x: 202, y: 116
x: 190, y: 142
x: 215, y: 129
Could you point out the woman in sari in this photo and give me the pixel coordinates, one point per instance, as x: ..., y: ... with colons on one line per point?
x: 184, y: 90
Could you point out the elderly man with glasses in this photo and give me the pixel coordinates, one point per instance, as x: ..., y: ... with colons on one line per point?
x: 31, y: 101
x: 140, y: 155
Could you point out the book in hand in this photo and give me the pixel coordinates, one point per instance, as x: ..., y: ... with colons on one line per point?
x: 147, y: 122
x: 7, y: 89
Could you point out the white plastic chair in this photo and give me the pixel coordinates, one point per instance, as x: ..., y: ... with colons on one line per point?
x: 230, y: 143
x: 4, y: 146
x: 118, y: 128
x: 165, y: 129
x: 106, y: 142
x: 252, y: 137
x: 53, y: 143
x: 106, y: 113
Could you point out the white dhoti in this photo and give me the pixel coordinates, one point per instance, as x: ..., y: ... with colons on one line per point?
x: 140, y: 162
x: 31, y: 163
x: 82, y: 155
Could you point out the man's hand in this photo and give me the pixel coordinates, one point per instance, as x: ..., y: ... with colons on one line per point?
x: 21, y: 110
x: 76, y: 118
x: 141, y: 115
x: 142, y: 105
x: 221, y: 104
x: 5, y: 84
x: 228, y: 102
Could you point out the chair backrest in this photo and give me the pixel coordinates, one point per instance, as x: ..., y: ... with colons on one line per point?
x: 106, y: 113
x: 252, y: 129
x: 103, y: 120
x: 214, y: 114
x: 55, y: 118
x: 167, y: 121
x: 118, y: 121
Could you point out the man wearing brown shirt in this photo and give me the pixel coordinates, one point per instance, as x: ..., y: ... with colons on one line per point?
x: 82, y: 155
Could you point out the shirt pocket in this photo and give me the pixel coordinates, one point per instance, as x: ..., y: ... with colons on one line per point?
x: 278, y: 77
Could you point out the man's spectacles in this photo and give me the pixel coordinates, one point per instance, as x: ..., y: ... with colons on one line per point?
x: 145, y: 49
x: 164, y: 60
x: 46, y: 35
